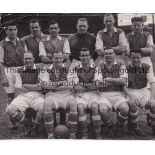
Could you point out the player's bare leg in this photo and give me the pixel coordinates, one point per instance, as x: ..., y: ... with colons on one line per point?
x: 18, y: 116
x: 49, y: 117
x: 38, y: 122
x: 82, y: 118
x: 122, y: 116
x: 133, y: 120
x: 151, y: 118
x: 96, y: 120
x: 72, y: 120
x: 106, y: 116
x: 10, y: 99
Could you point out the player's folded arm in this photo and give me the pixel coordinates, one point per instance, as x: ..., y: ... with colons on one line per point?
x: 117, y: 81
x: 63, y: 85
x: 20, y: 89
x: 79, y: 87
x: 32, y: 87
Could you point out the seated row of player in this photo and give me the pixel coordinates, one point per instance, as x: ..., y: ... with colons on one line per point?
x: 111, y: 86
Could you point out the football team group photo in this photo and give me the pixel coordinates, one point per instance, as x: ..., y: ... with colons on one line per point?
x: 77, y: 76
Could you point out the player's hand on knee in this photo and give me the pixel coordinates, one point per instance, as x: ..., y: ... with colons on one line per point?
x: 43, y: 84
x: 133, y: 101
x: 151, y: 103
x: 5, y: 82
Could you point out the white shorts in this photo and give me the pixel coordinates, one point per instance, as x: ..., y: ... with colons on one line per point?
x: 34, y: 100
x: 143, y: 96
x: 112, y: 99
x: 11, y: 76
x: 60, y: 98
x: 87, y: 98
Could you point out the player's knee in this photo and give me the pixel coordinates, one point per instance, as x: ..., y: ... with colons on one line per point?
x: 11, y: 110
x: 124, y: 109
x: 41, y: 111
x: 132, y: 107
x: 94, y: 107
x: 49, y: 105
x: 73, y: 106
x: 81, y: 108
x: 151, y: 107
x: 104, y: 109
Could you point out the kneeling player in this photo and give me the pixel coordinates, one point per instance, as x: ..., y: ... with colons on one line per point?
x: 59, y: 95
x: 86, y: 95
x: 27, y: 83
x: 111, y: 95
x: 139, y: 75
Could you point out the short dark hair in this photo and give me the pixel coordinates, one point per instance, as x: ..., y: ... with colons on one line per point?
x: 29, y: 52
x: 84, y: 49
x: 136, y: 51
x: 136, y: 19
x: 82, y: 19
x: 57, y: 53
x: 35, y: 20
x: 108, y: 48
x: 53, y: 21
x: 109, y: 15
x: 11, y: 23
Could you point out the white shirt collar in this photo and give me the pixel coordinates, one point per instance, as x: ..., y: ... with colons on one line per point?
x: 7, y: 39
x: 134, y: 33
x: 58, y: 37
x: 138, y: 66
x: 105, y: 30
x: 40, y: 35
x: 115, y: 62
x: 34, y: 67
x: 91, y: 65
x: 51, y: 66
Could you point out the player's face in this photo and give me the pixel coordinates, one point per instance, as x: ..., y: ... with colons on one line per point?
x: 82, y: 27
x: 137, y: 27
x: 109, y: 22
x: 85, y: 57
x: 35, y: 28
x: 54, y: 30
x: 136, y: 59
x: 109, y: 55
x: 11, y: 32
x: 28, y: 60
x: 58, y: 59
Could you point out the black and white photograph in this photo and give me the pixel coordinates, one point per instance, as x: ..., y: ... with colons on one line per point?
x: 77, y: 76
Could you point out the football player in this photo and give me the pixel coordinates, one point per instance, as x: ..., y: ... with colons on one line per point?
x: 86, y: 75
x: 114, y: 78
x: 139, y: 74
x: 111, y: 37
x: 30, y: 93
x: 60, y: 95
x: 11, y: 57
